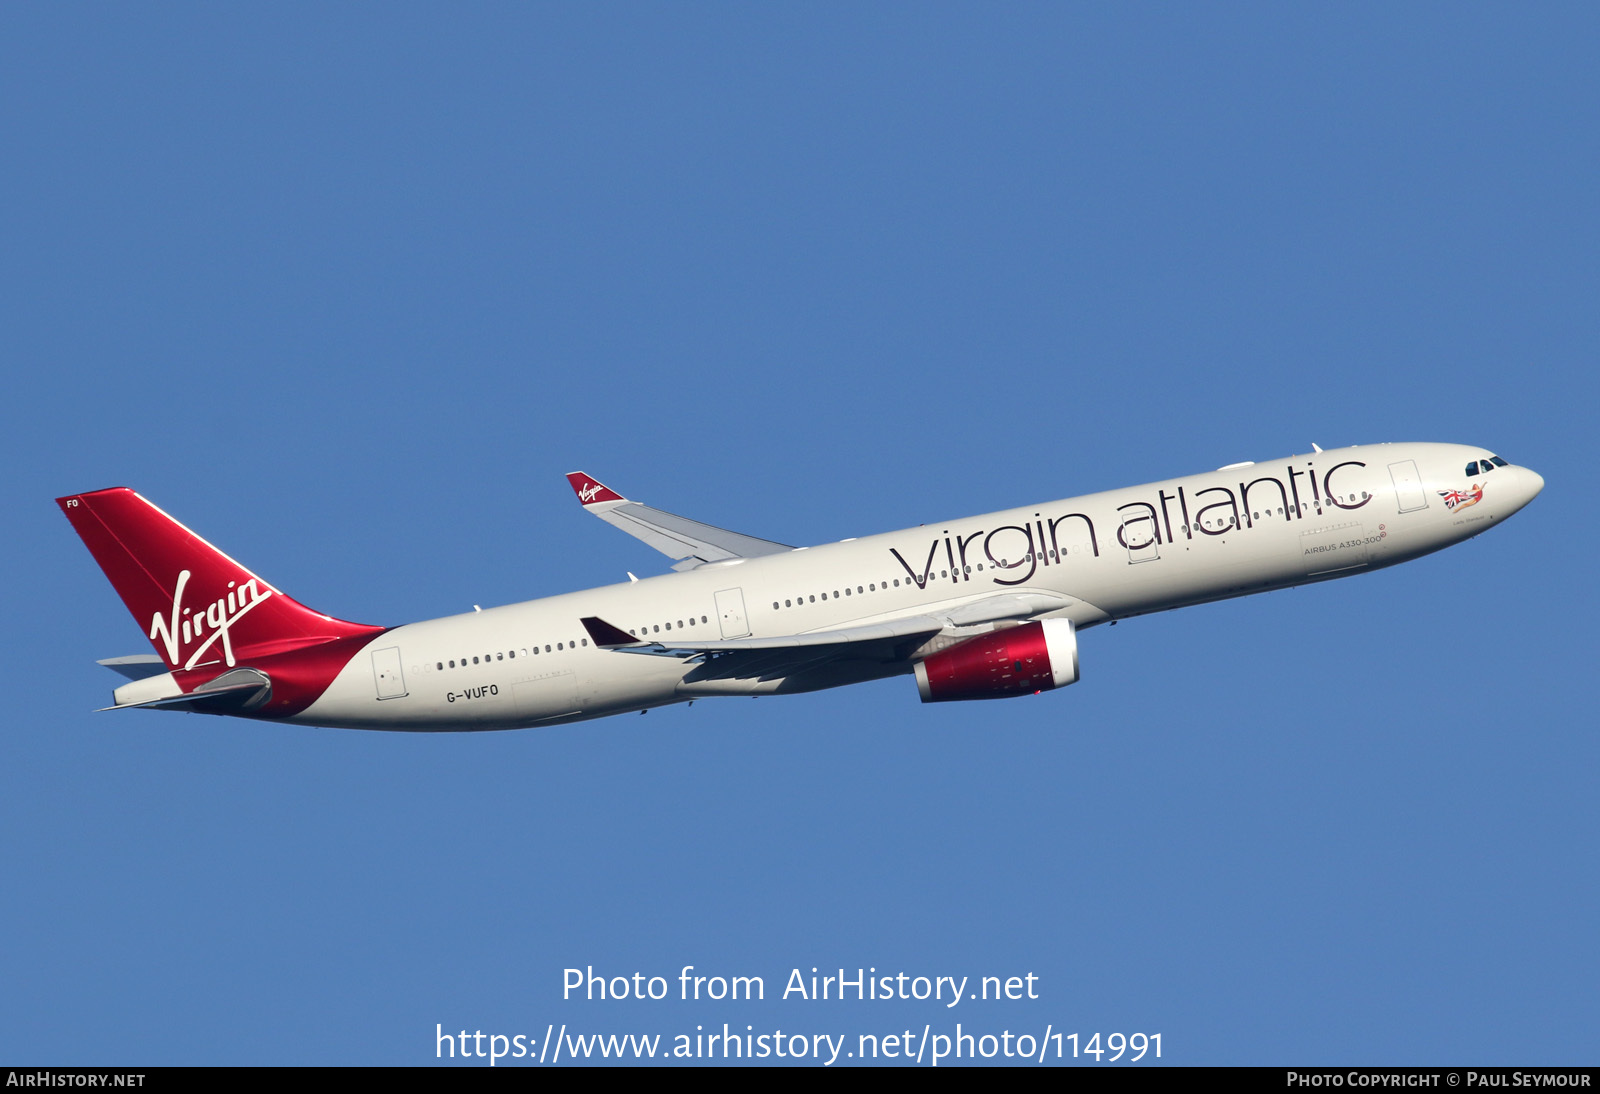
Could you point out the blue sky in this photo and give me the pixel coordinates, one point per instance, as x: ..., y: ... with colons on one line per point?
x: 349, y: 289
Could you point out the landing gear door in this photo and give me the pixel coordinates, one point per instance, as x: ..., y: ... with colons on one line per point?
x: 730, y: 613
x: 386, y: 673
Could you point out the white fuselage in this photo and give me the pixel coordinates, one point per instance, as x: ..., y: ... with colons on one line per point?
x: 1109, y: 555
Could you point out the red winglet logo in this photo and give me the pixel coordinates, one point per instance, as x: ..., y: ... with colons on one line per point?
x: 589, y: 491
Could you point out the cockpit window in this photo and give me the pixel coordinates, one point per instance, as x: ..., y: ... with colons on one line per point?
x: 1498, y: 462
x: 1472, y: 468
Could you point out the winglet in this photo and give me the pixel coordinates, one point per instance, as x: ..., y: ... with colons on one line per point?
x: 604, y: 634
x: 590, y: 491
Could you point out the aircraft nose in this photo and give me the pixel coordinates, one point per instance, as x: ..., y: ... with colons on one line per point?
x: 1528, y: 484
x: 1535, y: 482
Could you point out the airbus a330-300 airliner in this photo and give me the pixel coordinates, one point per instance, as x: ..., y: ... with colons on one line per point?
x: 979, y: 608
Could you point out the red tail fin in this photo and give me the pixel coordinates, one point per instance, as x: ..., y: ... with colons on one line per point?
x: 198, y: 607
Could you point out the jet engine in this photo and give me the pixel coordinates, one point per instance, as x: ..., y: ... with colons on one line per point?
x: 1034, y: 657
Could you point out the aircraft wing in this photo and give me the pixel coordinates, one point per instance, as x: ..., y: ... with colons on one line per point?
x: 687, y: 541
x: 777, y: 655
x: 608, y: 637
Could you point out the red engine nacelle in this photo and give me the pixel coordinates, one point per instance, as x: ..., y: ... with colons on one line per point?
x: 1016, y: 661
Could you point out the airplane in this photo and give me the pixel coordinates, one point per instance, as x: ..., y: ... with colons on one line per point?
x: 983, y: 607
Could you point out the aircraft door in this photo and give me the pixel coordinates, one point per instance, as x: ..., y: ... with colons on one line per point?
x: 730, y: 613
x: 386, y: 674
x: 1408, y: 486
x: 1140, y: 536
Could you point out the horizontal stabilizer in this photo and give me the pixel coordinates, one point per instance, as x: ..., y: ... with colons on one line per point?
x: 239, y: 694
x: 235, y: 692
x: 136, y: 666
x: 689, y: 542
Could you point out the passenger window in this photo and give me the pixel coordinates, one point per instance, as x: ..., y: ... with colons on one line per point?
x: 836, y: 594
x: 558, y: 645
x: 858, y: 589
x: 474, y: 660
x: 547, y: 647
x: 702, y: 619
x: 585, y: 641
x: 499, y: 657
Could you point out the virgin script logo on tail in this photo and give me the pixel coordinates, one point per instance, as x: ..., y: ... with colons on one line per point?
x: 184, y: 628
x: 589, y: 491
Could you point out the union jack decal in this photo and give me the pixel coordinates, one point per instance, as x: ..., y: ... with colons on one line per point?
x: 1461, y: 499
